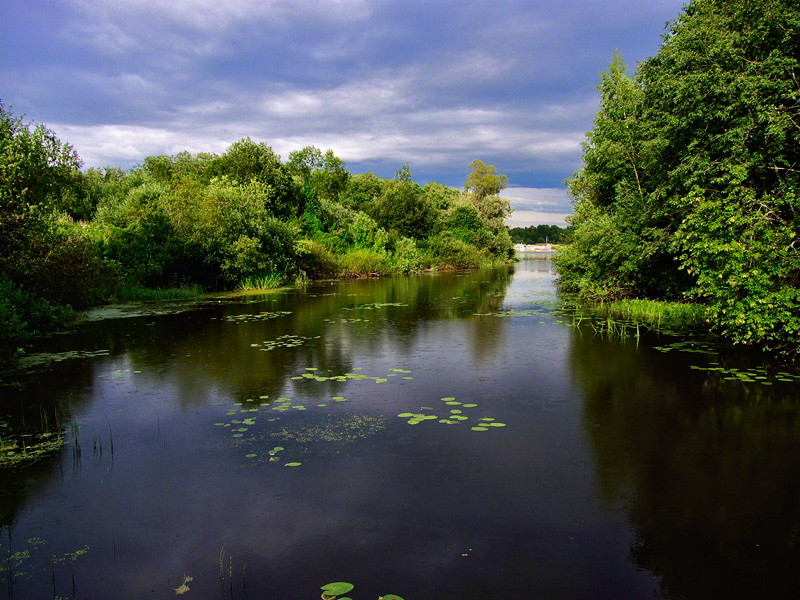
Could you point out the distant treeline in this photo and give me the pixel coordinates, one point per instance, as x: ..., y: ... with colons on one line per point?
x: 690, y: 177
x: 538, y: 234
x: 70, y: 239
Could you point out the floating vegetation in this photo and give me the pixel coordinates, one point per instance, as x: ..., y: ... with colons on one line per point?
x: 292, y: 464
x: 283, y: 341
x: 262, y: 316
x: 313, y: 374
x: 512, y: 313
x: 26, y: 448
x: 695, y: 346
x: 757, y: 375
x: 373, y: 305
x: 19, y: 563
x: 183, y: 588
x: 454, y: 418
x: 344, y: 430
x: 343, y: 320
x: 331, y: 591
x: 45, y: 358
x: 416, y: 418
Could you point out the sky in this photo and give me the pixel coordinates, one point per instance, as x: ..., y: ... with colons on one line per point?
x: 434, y: 83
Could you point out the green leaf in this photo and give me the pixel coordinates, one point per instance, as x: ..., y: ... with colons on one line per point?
x: 336, y: 588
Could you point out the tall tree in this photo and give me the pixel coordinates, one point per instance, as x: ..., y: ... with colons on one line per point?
x: 484, y: 180
x: 689, y: 176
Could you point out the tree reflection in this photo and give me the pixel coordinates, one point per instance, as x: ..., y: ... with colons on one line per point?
x: 707, y: 470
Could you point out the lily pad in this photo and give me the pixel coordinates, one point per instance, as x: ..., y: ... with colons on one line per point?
x: 337, y: 588
x: 470, y: 405
x: 294, y: 464
x: 479, y: 428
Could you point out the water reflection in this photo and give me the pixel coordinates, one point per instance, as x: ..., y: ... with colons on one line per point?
x: 616, y: 461
x: 706, y: 470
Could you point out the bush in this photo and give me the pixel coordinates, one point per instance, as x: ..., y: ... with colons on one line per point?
x: 22, y: 315
x: 451, y: 252
x: 315, y: 259
x: 365, y: 261
x: 406, y: 256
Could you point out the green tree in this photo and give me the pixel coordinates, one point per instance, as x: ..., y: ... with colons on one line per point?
x: 689, y: 179
x: 484, y: 181
x: 247, y: 161
x: 325, y: 175
x: 403, y: 208
x: 403, y: 173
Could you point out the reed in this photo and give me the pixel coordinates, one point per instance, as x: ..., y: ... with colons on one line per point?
x: 266, y: 281
x: 656, y: 314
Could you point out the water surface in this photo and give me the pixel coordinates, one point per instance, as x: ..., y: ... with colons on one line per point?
x: 625, y: 469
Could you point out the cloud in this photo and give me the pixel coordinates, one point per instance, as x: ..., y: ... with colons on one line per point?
x: 527, y: 218
x: 535, y: 206
x: 435, y: 84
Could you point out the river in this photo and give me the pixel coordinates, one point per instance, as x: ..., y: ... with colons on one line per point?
x: 435, y: 436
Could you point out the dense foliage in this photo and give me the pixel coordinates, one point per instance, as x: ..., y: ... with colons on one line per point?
x: 688, y: 189
x: 71, y: 239
x: 538, y: 234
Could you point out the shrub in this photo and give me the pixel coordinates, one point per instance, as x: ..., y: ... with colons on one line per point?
x: 365, y: 261
x: 314, y: 259
x: 451, y: 252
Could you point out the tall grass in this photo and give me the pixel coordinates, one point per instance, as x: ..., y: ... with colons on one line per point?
x: 266, y: 281
x: 656, y: 314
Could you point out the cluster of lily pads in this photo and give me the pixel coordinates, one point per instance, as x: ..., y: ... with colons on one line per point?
x: 512, y: 313
x: 283, y: 341
x: 343, y: 320
x: 373, y: 305
x: 311, y: 374
x: 757, y: 375
x: 691, y: 346
x: 44, y: 358
x: 246, y: 317
x: 241, y: 425
x: 331, y: 591
x: 456, y: 416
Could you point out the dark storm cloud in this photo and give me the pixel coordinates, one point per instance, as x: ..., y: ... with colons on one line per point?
x: 434, y: 84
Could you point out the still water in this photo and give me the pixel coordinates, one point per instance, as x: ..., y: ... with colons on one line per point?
x: 253, y: 444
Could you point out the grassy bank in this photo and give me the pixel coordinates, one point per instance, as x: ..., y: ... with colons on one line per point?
x: 656, y: 314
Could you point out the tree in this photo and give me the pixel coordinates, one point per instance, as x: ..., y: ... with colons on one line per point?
x: 247, y: 161
x: 324, y: 175
x: 689, y: 176
x: 403, y: 173
x: 484, y: 180
x: 403, y: 208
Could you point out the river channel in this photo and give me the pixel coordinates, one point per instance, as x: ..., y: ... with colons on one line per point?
x: 434, y: 437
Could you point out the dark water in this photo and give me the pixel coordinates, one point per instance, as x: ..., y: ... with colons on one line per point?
x: 622, y: 472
